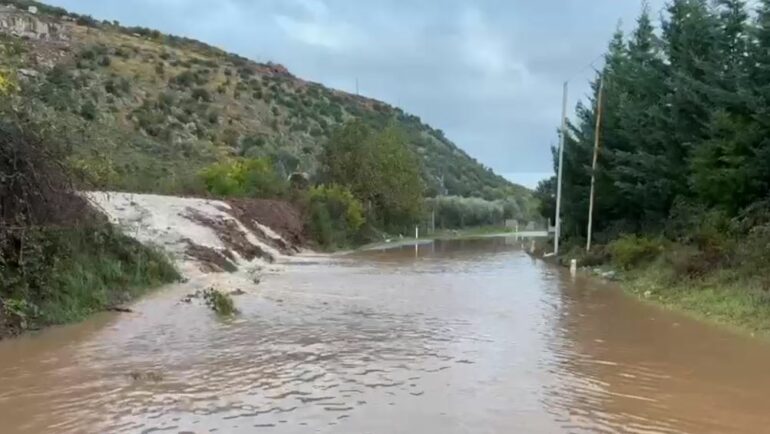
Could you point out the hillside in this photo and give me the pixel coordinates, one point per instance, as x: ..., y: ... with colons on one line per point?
x: 149, y: 110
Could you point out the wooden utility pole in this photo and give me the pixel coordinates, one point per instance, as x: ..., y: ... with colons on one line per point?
x: 593, y: 166
x: 562, y: 142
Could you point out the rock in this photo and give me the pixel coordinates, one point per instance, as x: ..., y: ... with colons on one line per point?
x: 237, y: 292
x: 609, y: 275
x: 28, y: 72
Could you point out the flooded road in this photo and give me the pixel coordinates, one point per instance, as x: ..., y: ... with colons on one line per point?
x: 459, y: 337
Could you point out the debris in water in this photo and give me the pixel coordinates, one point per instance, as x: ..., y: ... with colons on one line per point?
x: 146, y: 376
x: 219, y: 302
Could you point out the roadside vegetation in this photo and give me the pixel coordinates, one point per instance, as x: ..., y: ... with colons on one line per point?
x: 222, y: 304
x: 683, y: 180
x: 60, y: 260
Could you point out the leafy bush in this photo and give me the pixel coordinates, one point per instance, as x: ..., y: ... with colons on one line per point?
x: 88, y: 110
x: 201, y: 94
x: 335, y: 216
x: 243, y: 177
x: 219, y: 302
x: 630, y: 250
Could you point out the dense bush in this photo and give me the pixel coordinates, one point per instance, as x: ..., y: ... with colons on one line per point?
x: 244, y: 177
x: 222, y: 304
x: 335, y: 216
x: 201, y: 94
x: 630, y: 250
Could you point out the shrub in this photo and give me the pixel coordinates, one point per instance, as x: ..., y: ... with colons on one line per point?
x: 88, y: 110
x: 243, y: 177
x: 335, y: 216
x: 201, y: 94
x: 219, y: 302
x: 630, y: 250
x: 185, y: 79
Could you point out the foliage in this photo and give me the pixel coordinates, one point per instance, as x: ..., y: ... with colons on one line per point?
x: 684, y: 121
x: 379, y: 169
x: 59, y: 260
x: 545, y: 193
x: 630, y: 250
x: 6, y: 85
x: 454, y: 212
x: 219, y: 302
x: 335, y: 216
x: 243, y: 177
x: 120, y: 77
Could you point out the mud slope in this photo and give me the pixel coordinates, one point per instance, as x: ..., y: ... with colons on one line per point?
x: 203, y: 237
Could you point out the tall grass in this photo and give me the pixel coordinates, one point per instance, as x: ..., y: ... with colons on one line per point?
x: 75, y: 272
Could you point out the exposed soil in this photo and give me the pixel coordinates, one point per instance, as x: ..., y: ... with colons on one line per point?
x: 211, y: 260
x: 231, y: 235
x: 282, y: 217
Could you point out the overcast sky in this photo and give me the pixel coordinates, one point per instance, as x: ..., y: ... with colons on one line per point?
x: 489, y: 73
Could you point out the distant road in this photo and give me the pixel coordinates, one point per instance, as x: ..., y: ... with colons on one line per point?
x: 531, y: 234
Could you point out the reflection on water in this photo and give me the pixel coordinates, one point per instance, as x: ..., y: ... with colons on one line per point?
x: 462, y: 336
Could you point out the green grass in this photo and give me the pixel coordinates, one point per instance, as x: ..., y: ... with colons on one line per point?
x: 76, y: 273
x: 727, y: 297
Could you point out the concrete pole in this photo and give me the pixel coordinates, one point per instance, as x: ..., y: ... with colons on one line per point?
x: 562, y: 142
x: 593, y: 166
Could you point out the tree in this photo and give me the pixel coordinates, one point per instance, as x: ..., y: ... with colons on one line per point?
x: 545, y: 193
x: 378, y: 168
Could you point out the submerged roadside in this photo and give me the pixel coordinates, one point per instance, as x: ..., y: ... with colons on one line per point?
x: 721, y: 285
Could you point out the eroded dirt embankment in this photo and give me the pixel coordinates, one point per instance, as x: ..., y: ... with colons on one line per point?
x: 208, y: 236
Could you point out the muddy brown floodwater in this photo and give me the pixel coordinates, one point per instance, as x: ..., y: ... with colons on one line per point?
x: 466, y: 336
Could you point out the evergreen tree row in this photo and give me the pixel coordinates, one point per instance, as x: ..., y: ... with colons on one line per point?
x: 685, y: 123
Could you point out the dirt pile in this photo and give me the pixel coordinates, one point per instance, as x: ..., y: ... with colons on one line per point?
x: 208, y: 236
x: 231, y: 234
x: 264, y: 215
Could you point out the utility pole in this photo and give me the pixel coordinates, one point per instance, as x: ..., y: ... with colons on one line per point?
x: 357, y: 93
x: 562, y: 142
x: 593, y: 166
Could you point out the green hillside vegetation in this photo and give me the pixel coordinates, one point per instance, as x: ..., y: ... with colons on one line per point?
x: 683, y: 181
x: 59, y: 259
x: 152, y: 110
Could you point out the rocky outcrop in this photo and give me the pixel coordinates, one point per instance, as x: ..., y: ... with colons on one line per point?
x: 27, y: 25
